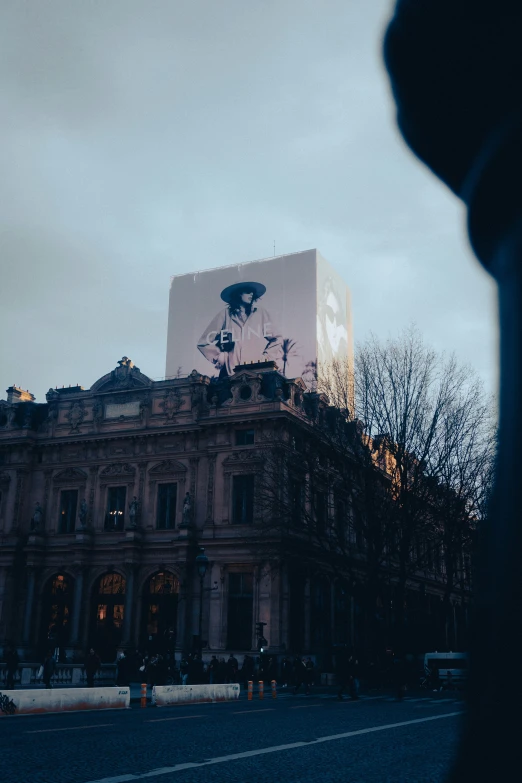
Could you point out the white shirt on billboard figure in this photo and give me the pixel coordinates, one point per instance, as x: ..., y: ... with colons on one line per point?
x: 332, y: 330
x: 242, y: 332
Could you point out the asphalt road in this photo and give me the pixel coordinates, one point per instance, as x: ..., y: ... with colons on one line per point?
x: 313, y: 739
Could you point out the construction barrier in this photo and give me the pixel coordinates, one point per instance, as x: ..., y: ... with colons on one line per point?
x: 274, y: 689
x: 250, y: 690
x: 143, y: 700
x: 31, y: 702
x: 261, y: 689
x: 170, y: 695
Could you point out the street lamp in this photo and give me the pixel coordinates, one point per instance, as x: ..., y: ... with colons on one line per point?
x: 202, y: 565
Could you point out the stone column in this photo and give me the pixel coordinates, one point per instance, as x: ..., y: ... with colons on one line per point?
x: 307, y: 618
x: 129, y: 605
x: 77, y: 608
x: 29, y: 605
x: 211, y: 463
x: 214, y: 619
x: 352, y: 621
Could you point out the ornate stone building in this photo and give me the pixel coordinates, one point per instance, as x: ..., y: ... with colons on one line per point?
x: 108, y: 494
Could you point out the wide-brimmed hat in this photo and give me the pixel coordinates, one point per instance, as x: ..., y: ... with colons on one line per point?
x: 228, y: 292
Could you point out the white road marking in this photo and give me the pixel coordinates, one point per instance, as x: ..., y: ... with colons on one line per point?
x: 69, y: 728
x: 273, y: 749
x: 178, y: 717
x: 431, y: 704
x: 245, y: 712
x: 305, y: 706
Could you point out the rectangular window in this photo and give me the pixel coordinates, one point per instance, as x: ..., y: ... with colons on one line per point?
x: 166, y: 513
x: 68, y: 505
x: 321, y: 511
x: 243, y: 499
x: 240, y: 611
x: 245, y: 437
x: 115, y: 517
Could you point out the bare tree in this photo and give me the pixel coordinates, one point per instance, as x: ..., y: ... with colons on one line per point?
x: 387, y: 488
x: 431, y: 423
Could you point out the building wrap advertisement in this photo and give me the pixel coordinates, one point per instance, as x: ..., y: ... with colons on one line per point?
x: 292, y: 309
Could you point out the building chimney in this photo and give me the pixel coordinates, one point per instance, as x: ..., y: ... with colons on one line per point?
x: 15, y: 394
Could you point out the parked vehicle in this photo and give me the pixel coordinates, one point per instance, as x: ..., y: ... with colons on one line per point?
x: 446, y: 668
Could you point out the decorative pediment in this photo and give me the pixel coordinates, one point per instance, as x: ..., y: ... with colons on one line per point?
x: 125, y: 376
x: 246, y: 388
x: 118, y: 469
x: 168, y: 466
x: 70, y: 474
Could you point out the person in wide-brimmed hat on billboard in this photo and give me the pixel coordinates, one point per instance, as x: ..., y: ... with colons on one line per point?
x: 242, y: 332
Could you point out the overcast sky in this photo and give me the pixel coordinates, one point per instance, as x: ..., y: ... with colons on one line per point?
x: 142, y: 139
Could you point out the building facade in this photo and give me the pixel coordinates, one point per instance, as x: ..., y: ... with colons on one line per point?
x: 107, y: 496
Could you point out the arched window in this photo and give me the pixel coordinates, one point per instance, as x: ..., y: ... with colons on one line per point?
x: 107, y: 614
x: 57, y: 610
x: 160, y: 606
x: 112, y: 584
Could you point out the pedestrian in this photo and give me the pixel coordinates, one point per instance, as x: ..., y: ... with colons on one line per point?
x: 354, y: 678
x: 92, y: 666
x: 212, y: 669
x: 232, y: 667
x: 122, y: 669
x: 299, y: 673
x: 152, y: 670
x: 184, y: 670
x: 221, y: 671
x: 286, y: 671
x: 248, y: 669
x: 272, y: 669
x: 49, y: 667
x: 12, y: 659
x: 308, y: 675
x: 194, y: 669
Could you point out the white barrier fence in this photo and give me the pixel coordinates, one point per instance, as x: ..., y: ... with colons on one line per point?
x: 33, y: 702
x: 170, y: 695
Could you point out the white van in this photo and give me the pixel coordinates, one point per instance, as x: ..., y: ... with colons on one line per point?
x: 454, y: 663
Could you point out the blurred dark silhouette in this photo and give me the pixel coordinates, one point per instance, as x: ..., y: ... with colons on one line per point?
x: 456, y: 70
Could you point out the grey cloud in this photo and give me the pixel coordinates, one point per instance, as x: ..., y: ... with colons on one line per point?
x: 146, y: 139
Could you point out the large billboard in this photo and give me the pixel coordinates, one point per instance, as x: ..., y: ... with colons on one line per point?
x: 292, y: 309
